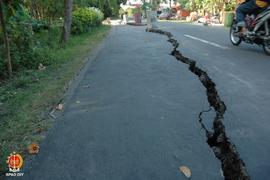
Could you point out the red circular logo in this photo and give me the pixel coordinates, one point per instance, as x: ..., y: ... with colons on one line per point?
x: 15, y: 162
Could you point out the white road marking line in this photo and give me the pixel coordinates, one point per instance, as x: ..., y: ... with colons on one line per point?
x: 207, y: 42
x: 234, y: 77
x: 240, y: 80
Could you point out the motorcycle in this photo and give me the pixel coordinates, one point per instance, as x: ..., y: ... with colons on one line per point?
x: 258, y: 27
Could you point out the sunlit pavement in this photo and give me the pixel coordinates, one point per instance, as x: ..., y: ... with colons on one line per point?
x: 242, y: 78
x: 139, y: 117
x: 121, y: 22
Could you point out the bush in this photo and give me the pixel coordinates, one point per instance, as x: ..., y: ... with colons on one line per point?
x: 230, y: 6
x: 26, y: 51
x: 121, y: 11
x: 19, y: 29
x: 130, y: 12
x: 3, y: 66
x: 32, y: 41
x: 38, y: 25
x: 85, y: 18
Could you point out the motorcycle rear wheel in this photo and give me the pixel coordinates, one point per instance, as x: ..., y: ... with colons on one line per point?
x: 234, y: 39
x: 266, y: 48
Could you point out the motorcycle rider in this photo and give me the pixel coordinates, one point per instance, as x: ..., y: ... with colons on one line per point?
x: 248, y: 7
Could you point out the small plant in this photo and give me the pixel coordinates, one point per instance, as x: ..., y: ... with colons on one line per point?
x: 129, y: 12
x: 136, y: 10
x: 230, y: 6
x: 85, y: 18
x: 39, y: 25
x: 146, y: 6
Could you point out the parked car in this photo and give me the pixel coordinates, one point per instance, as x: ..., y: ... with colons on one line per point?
x: 166, y: 15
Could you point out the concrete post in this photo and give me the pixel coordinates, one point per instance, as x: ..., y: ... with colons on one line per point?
x: 151, y: 19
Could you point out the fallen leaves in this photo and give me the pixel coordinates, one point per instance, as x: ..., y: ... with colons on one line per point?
x: 185, y: 170
x: 60, y: 107
x: 86, y: 86
x: 33, y: 148
x: 39, y: 130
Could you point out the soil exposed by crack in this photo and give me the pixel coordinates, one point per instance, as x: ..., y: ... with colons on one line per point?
x: 232, y: 165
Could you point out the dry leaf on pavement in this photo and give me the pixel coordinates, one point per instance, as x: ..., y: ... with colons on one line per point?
x: 86, y: 86
x: 185, y: 170
x: 33, y: 148
x: 60, y: 107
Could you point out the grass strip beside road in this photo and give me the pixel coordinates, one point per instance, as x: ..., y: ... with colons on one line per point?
x: 26, y: 100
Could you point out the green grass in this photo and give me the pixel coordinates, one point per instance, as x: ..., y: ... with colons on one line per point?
x: 26, y: 100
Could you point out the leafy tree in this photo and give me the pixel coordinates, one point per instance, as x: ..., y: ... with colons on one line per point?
x: 7, y: 9
x: 45, y: 9
x: 5, y: 37
x: 205, y: 5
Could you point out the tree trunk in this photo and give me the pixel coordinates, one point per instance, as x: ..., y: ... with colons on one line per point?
x: 67, y: 21
x: 6, y: 40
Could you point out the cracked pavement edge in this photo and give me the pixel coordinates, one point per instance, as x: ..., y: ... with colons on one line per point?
x: 232, y: 165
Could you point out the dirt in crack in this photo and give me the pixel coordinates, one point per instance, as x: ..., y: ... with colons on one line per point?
x: 232, y: 165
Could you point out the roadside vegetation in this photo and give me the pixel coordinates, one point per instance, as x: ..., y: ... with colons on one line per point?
x: 208, y: 5
x: 43, y: 44
x: 202, y: 11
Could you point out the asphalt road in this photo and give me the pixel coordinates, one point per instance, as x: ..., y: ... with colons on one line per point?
x: 133, y: 112
x: 242, y: 77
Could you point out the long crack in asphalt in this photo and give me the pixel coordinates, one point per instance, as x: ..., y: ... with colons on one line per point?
x: 232, y: 165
